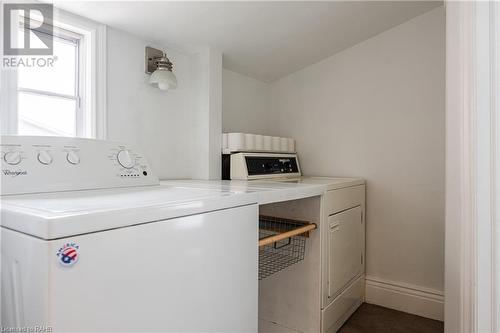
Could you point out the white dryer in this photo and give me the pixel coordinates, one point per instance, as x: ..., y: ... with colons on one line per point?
x: 91, y: 242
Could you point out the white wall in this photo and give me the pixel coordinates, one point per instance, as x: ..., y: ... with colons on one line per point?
x: 376, y: 111
x: 171, y: 127
x: 206, y: 127
x: 245, y: 104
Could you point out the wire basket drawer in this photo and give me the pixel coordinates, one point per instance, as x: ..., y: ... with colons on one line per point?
x: 282, y: 243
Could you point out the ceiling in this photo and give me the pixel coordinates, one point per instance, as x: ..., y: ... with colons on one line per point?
x: 264, y: 40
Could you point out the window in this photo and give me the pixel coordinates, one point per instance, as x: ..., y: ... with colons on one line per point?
x: 67, y: 98
x: 49, y: 100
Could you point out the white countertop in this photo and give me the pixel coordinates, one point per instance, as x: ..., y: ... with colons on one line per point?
x: 269, y: 191
x: 263, y: 192
x: 62, y: 214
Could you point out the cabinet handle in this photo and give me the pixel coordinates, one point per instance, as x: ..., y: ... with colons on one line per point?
x: 334, y: 226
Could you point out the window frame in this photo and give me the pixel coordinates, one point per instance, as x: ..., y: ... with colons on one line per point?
x: 92, y: 79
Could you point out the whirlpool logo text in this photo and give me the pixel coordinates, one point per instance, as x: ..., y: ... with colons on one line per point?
x: 14, y: 173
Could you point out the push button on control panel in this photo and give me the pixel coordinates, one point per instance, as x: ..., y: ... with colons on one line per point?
x: 12, y: 157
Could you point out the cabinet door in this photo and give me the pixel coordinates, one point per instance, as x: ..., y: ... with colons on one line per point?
x: 345, y: 249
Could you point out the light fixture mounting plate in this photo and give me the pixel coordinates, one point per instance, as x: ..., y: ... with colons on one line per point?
x: 151, y: 55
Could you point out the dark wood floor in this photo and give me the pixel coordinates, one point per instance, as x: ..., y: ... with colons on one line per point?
x: 376, y: 319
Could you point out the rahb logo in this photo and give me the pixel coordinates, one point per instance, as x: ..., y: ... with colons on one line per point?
x: 28, y: 29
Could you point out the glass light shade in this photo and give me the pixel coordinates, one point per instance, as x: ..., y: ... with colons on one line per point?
x: 164, y: 78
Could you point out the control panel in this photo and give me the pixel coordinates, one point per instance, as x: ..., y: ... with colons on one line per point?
x: 257, y: 165
x: 34, y: 164
x: 262, y: 166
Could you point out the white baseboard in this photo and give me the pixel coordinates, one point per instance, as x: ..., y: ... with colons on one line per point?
x: 405, y: 297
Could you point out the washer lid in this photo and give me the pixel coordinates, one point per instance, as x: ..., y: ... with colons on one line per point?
x: 63, y: 214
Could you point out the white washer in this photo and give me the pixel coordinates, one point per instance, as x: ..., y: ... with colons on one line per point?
x: 91, y: 242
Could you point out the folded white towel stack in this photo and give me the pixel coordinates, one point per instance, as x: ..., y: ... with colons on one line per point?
x: 235, y: 142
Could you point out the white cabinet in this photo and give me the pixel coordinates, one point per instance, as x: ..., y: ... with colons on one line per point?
x: 319, y: 293
x: 345, y: 249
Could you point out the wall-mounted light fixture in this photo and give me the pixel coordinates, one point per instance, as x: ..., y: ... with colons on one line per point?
x: 160, y: 68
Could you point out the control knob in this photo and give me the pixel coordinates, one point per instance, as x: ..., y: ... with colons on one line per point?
x: 72, y: 157
x: 44, y: 157
x: 125, y: 159
x: 12, y: 157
